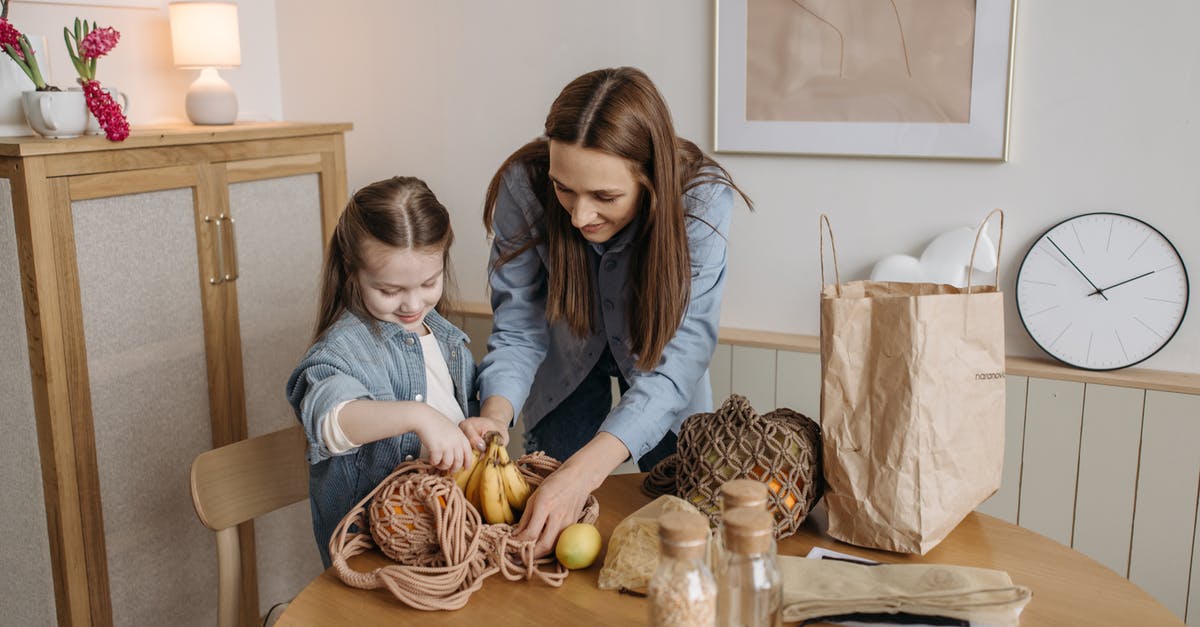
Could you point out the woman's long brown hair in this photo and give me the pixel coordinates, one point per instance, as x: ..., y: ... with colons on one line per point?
x: 621, y: 112
x: 400, y: 212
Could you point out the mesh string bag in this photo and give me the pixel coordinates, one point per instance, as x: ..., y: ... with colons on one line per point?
x: 781, y: 449
x: 441, y: 547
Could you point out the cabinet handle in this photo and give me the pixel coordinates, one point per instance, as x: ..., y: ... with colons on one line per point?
x: 232, y: 248
x: 220, y: 278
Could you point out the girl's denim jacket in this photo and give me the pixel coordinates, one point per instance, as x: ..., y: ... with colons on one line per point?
x: 375, y: 360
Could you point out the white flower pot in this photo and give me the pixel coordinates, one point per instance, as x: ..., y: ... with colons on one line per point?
x: 12, y: 83
x: 56, y: 114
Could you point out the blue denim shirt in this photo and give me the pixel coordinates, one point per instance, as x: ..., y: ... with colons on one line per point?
x: 375, y: 360
x: 535, y: 365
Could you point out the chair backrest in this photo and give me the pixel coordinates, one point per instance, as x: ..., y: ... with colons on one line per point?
x: 238, y: 482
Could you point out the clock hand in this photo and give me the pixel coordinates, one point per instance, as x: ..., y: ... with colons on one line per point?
x: 1085, y: 277
x: 1102, y: 290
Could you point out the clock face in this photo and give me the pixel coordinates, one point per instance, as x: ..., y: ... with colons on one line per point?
x: 1102, y: 291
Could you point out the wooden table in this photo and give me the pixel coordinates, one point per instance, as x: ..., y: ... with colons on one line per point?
x: 1069, y: 588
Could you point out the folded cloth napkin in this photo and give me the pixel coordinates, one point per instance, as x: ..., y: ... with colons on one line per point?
x: 821, y: 588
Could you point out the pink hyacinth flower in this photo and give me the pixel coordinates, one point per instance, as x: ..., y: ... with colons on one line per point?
x: 106, y: 110
x: 98, y: 42
x: 10, y: 36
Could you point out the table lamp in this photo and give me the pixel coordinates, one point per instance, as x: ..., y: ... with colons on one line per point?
x: 204, y: 36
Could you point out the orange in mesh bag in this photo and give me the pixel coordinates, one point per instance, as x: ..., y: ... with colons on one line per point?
x: 781, y: 449
x: 442, y: 548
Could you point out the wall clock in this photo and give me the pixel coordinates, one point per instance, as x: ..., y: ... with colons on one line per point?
x: 1102, y: 291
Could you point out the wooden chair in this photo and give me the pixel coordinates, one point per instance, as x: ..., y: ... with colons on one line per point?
x: 236, y: 483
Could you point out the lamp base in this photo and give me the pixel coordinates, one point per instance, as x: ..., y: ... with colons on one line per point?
x: 211, y: 100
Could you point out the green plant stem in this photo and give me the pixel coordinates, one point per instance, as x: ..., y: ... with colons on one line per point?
x: 80, y: 65
x: 15, y: 55
x: 31, y: 66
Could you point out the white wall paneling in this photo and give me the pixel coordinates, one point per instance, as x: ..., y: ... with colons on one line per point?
x: 1164, y: 522
x: 1108, y: 464
x: 1053, y: 413
x: 753, y: 376
x: 720, y: 373
x: 1193, y: 606
x: 798, y: 382
x: 1005, y: 502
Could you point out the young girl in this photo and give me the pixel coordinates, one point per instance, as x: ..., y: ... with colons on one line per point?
x: 608, y: 261
x: 387, y: 375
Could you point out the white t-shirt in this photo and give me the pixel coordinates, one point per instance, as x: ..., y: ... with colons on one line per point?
x: 439, y: 394
x: 439, y: 387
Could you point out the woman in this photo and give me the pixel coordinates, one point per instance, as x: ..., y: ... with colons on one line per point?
x: 608, y: 260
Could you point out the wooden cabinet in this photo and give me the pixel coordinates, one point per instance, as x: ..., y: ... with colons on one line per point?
x: 156, y: 294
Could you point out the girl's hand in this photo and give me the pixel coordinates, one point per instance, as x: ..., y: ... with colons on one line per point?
x: 477, y: 427
x: 448, y: 447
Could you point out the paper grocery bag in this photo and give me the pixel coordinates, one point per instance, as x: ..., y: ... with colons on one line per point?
x: 912, y: 406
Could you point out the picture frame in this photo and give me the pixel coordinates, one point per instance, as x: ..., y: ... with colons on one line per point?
x: 789, y: 79
x: 121, y: 4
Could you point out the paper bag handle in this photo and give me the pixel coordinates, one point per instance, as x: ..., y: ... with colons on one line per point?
x: 822, y: 226
x: 999, y: 242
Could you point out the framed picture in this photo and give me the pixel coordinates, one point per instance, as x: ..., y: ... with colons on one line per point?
x: 879, y: 78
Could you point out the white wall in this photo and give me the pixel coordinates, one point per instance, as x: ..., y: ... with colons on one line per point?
x: 1104, y: 118
x: 141, y: 64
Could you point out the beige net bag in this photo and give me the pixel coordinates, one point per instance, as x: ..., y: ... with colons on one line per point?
x: 781, y: 449
x: 633, y: 547
x: 442, y: 548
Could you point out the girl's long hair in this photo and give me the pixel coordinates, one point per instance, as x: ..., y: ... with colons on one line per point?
x: 620, y: 112
x: 400, y: 212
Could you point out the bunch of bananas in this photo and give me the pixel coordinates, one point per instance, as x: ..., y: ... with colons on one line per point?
x: 493, y: 484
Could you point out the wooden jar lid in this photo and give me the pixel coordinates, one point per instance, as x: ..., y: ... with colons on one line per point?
x: 748, y: 530
x: 684, y: 535
x: 743, y: 493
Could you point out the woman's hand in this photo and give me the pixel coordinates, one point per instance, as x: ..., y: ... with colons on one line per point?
x: 559, y: 500
x: 448, y: 446
x: 477, y: 427
x: 554, y: 505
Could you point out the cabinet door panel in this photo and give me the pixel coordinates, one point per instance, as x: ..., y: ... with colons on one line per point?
x: 1053, y: 415
x: 277, y: 226
x: 1108, y: 470
x: 28, y: 594
x: 1164, y: 518
x: 142, y: 319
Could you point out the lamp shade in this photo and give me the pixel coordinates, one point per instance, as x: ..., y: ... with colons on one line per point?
x: 205, y: 34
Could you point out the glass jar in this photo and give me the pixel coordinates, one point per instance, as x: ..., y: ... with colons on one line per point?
x: 734, y: 494
x: 683, y: 592
x: 749, y: 591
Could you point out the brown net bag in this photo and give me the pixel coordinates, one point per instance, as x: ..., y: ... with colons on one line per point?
x: 442, y: 548
x: 781, y: 449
